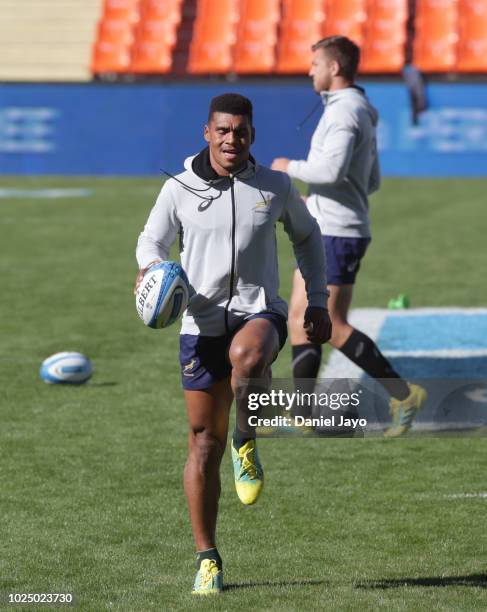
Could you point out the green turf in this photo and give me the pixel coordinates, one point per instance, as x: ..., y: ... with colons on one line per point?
x: 91, y: 496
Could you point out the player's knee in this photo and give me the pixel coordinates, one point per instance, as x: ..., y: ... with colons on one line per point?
x: 206, y: 449
x: 248, y: 362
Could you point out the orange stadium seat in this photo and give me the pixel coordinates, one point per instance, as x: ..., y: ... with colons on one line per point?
x: 155, y: 36
x: 388, y: 10
x: 383, y: 49
x: 156, y: 31
x: 211, y: 55
x: 435, y: 44
x: 256, y: 36
x: 301, y: 27
x: 163, y: 10
x: 345, y: 17
x: 214, y: 35
x: 472, y: 46
x: 115, y: 36
x: 126, y: 10
x: 115, y: 31
x: 151, y: 57
x: 304, y: 11
x: 109, y: 57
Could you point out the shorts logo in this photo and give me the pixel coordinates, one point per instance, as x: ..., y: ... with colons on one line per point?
x: 188, y: 367
x: 351, y: 267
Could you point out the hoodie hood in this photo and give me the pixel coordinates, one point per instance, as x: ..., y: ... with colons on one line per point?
x: 200, y: 166
x: 355, y: 93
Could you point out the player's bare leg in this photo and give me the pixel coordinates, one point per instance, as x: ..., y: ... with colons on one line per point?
x: 338, y: 306
x: 297, y: 308
x: 208, y: 414
x: 252, y: 351
x: 339, y: 303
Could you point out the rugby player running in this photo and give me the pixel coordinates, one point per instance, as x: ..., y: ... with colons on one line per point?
x: 224, y: 207
x: 342, y: 169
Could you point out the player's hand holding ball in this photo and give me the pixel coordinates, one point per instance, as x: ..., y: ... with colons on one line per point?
x: 141, y: 274
x: 161, y: 293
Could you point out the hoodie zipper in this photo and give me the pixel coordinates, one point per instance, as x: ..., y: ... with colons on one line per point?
x: 232, y: 269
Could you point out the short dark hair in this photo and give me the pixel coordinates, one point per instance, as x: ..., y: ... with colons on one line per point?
x: 342, y: 50
x: 231, y: 103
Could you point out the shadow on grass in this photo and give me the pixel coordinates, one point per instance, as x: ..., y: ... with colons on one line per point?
x: 273, y: 583
x: 474, y: 580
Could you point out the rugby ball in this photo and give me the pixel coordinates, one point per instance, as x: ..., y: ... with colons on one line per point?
x: 66, y: 368
x: 163, y: 295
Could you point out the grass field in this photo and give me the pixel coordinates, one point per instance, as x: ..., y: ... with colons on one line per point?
x: 92, y: 499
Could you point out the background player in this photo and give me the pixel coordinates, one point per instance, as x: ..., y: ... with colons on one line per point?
x: 225, y: 206
x: 342, y: 169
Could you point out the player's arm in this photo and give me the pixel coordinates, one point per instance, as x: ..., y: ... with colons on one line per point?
x: 159, y: 233
x: 328, y: 164
x: 374, y: 179
x: 305, y: 235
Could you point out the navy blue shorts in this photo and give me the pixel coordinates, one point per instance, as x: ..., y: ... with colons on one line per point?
x: 204, y: 359
x: 343, y: 256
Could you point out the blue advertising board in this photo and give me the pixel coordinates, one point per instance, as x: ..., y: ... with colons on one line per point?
x: 143, y: 129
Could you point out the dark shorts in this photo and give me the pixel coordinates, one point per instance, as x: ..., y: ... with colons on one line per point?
x: 204, y: 359
x: 343, y: 256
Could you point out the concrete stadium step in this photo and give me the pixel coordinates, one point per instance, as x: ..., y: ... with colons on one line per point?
x: 38, y: 73
x: 47, y: 39
x: 37, y: 37
x: 44, y: 12
x: 63, y: 54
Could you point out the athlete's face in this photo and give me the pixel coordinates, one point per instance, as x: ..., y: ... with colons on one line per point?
x: 322, y: 70
x: 229, y: 138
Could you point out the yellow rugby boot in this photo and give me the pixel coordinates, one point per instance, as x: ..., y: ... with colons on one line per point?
x: 209, y: 579
x: 404, y: 411
x: 248, y: 472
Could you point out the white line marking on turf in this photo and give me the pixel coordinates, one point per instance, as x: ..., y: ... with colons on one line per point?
x: 421, y: 312
x: 466, y: 496
x: 46, y: 194
x: 440, y: 353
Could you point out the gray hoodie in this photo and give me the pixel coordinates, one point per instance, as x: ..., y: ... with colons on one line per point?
x: 342, y: 168
x: 228, y: 242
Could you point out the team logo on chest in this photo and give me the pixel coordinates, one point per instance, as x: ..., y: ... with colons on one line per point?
x: 265, y: 203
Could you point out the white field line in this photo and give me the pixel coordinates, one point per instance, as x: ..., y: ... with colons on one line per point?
x: 368, y: 313
x: 46, y: 194
x: 440, y: 353
x: 466, y: 496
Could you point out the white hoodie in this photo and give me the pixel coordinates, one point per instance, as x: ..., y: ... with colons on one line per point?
x: 228, y: 244
x: 342, y: 168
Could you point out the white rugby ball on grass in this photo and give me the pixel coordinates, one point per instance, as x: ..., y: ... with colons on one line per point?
x: 163, y: 295
x: 66, y: 368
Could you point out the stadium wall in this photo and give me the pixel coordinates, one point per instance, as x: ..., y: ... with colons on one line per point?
x: 126, y: 129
